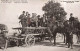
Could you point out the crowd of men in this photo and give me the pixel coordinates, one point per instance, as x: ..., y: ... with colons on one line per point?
x: 35, y: 20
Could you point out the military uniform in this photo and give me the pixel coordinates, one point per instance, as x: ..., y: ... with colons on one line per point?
x: 39, y: 23
x: 71, y: 19
x: 28, y: 21
x: 23, y: 21
x: 34, y: 20
x: 70, y: 40
x: 69, y: 35
x: 22, y: 18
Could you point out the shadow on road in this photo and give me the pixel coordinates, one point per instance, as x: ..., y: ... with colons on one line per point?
x: 58, y: 44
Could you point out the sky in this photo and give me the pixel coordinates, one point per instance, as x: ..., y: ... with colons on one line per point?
x: 9, y: 12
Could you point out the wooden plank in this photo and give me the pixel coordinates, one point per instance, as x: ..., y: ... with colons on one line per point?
x: 15, y: 38
x: 30, y: 28
x: 34, y: 34
x: 35, y: 27
x: 18, y: 28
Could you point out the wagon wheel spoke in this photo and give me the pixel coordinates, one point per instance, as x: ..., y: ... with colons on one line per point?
x: 29, y: 40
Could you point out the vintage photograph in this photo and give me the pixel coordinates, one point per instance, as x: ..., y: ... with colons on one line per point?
x: 39, y: 25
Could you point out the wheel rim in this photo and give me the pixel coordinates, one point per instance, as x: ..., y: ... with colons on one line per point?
x: 29, y: 40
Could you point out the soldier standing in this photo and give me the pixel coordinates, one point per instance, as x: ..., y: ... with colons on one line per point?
x: 22, y: 19
x: 69, y: 35
x: 33, y: 20
x: 28, y: 20
x: 70, y: 40
x: 38, y: 20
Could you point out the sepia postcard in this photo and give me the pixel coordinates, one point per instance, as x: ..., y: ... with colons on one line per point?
x: 39, y: 25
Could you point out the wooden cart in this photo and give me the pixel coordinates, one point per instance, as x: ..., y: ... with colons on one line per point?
x: 29, y: 36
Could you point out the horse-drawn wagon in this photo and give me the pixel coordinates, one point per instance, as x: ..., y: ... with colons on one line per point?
x: 28, y: 38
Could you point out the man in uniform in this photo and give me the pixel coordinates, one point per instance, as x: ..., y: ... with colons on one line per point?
x: 22, y: 18
x: 33, y: 19
x: 71, y: 19
x: 70, y: 40
x: 28, y: 20
x: 27, y: 13
x: 69, y: 35
x: 39, y: 19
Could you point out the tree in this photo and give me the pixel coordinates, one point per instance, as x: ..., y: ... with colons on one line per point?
x: 54, y: 9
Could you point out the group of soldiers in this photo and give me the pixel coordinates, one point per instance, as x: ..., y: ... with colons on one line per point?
x: 36, y: 20
x: 27, y: 20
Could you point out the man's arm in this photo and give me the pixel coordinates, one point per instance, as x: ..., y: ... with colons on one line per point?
x: 20, y: 21
x: 20, y: 17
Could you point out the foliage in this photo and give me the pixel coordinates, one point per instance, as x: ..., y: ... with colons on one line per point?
x: 54, y: 9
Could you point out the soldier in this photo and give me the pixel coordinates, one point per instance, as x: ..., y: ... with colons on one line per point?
x: 71, y: 19
x: 70, y: 40
x: 22, y: 19
x: 39, y: 20
x: 36, y: 20
x: 28, y: 20
x: 69, y: 35
x: 33, y: 20
x: 27, y: 13
x: 66, y: 24
x: 44, y: 20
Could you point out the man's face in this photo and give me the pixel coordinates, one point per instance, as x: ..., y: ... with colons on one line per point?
x: 23, y: 12
x: 38, y: 16
x: 26, y: 13
x: 71, y: 15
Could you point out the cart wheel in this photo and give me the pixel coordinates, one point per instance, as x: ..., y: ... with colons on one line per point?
x: 29, y: 40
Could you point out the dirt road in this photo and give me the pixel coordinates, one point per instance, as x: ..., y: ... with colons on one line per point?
x: 46, y: 46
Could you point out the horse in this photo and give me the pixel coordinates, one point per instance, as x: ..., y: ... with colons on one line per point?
x: 77, y: 31
x: 76, y: 27
x: 54, y: 27
x: 58, y: 27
